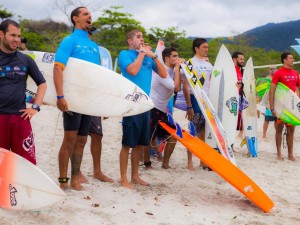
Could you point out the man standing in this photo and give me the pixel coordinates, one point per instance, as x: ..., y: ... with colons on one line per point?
x: 15, y: 128
x: 76, y: 125
x: 203, y: 69
x: 289, y: 78
x: 162, y: 89
x: 239, y: 62
x: 268, y: 113
x: 136, y: 64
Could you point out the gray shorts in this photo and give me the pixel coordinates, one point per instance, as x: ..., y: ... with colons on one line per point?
x: 199, y: 122
x: 96, y: 126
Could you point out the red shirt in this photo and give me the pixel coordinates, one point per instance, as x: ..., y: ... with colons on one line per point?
x: 288, y: 77
x: 239, y: 73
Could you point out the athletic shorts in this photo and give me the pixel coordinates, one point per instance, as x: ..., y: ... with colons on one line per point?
x: 16, y: 135
x: 76, y: 121
x: 96, y: 126
x: 136, y: 130
x: 156, y: 131
x: 269, y: 118
x: 199, y: 119
x: 240, y: 121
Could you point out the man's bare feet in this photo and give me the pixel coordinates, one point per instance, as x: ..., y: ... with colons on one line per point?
x: 64, y: 186
x: 126, y: 184
x: 279, y: 157
x: 75, y: 185
x: 82, y: 179
x: 164, y: 166
x: 292, y: 158
x: 100, y: 176
x: 190, y: 167
x: 139, y: 181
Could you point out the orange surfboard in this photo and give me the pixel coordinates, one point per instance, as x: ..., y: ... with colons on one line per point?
x: 221, y: 166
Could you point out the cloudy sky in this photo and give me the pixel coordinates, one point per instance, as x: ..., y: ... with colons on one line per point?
x: 205, y: 18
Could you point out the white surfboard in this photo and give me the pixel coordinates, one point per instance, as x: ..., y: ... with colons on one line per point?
x: 23, y: 186
x: 224, y: 96
x: 210, y: 115
x: 91, y: 89
x: 249, y: 114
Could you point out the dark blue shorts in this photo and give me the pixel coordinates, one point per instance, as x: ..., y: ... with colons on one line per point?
x: 76, y: 121
x: 136, y: 130
x: 195, y: 105
x: 156, y: 130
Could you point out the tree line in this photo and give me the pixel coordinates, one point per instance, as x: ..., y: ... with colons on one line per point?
x: 112, y: 26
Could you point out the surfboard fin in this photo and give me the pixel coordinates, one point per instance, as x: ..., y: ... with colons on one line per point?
x: 178, y: 130
x: 243, y: 142
x: 192, y: 130
x: 170, y: 119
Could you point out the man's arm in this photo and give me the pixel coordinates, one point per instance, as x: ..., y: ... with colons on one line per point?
x: 186, y: 92
x: 58, y: 83
x: 271, y: 98
x: 135, y: 67
x: 40, y: 93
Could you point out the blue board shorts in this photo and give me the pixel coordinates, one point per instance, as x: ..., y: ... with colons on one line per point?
x: 136, y: 130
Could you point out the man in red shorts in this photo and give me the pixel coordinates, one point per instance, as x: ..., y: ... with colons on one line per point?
x: 290, y: 78
x: 15, y: 128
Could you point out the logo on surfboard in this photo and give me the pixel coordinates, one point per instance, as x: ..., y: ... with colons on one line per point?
x: 248, y: 189
x: 232, y: 105
x: 136, y: 96
x: 48, y: 57
x: 13, y: 199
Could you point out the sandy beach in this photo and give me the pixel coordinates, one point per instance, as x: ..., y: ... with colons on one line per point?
x: 176, y: 196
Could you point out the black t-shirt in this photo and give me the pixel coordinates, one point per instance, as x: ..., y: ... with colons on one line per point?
x: 14, y: 69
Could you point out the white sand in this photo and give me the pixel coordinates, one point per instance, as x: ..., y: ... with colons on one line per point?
x: 176, y: 196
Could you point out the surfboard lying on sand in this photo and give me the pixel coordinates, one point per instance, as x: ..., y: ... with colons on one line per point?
x: 220, y: 165
x: 249, y: 114
x: 224, y: 95
x: 23, y: 186
x: 91, y: 89
x: 286, y: 104
x: 210, y: 115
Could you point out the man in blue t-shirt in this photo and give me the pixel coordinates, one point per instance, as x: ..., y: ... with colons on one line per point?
x: 136, y: 65
x: 76, y: 125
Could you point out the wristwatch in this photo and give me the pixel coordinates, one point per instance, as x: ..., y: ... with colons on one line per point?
x: 36, y: 107
x: 155, y: 57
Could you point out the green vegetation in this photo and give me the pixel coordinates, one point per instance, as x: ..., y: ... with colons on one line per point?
x: 113, y: 24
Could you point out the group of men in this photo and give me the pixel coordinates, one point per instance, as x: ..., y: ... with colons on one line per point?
x: 137, y: 64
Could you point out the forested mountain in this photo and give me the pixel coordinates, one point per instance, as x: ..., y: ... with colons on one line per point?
x: 276, y: 36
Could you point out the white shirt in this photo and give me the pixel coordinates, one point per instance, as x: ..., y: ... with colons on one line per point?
x: 162, y: 89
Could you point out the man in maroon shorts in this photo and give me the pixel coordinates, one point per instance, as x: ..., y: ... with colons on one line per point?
x: 289, y: 78
x: 15, y: 128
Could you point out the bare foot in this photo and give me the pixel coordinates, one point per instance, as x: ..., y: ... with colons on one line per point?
x: 82, y: 179
x: 126, y: 184
x: 166, y: 166
x: 280, y: 158
x: 100, y: 176
x: 64, y: 186
x: 139, y: 181
x: 190, y: 167
x: 292, y: 158
x: 75, y: 185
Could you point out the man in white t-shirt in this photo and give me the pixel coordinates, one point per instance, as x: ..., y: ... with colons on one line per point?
x: 203, y: 70
x: 162, y: 89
